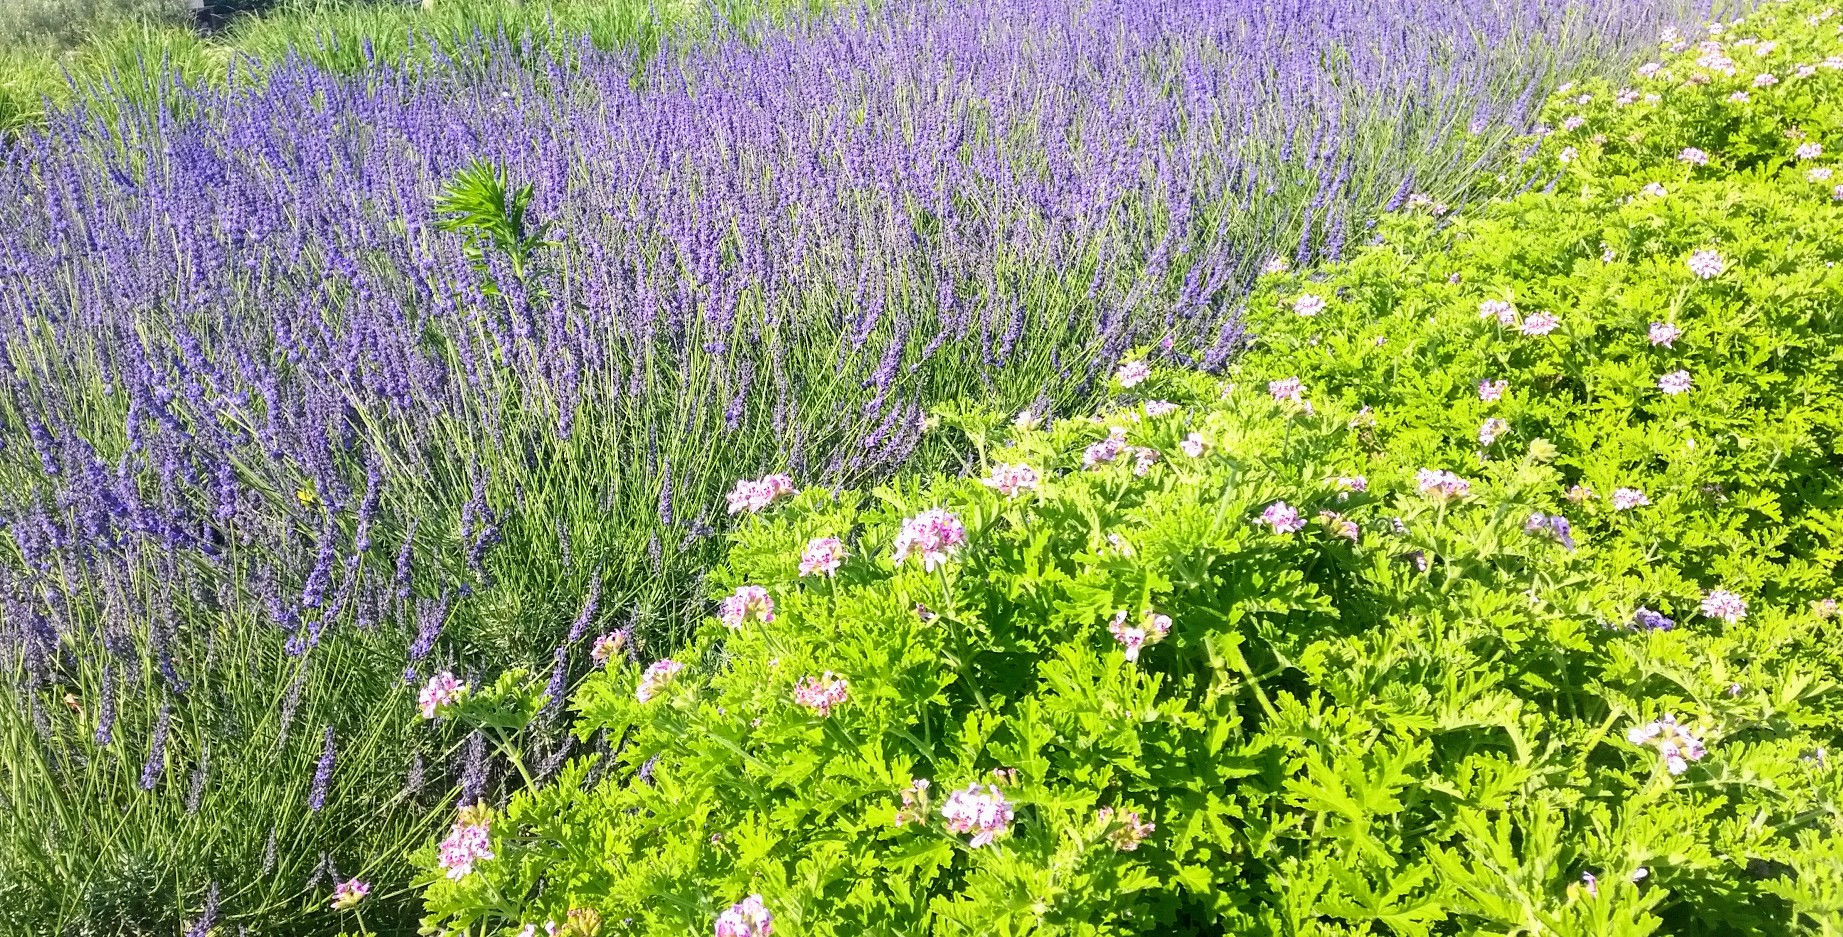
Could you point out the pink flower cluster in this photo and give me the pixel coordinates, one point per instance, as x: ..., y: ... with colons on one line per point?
x: 1009, y: 480
x: 822, y: 555
x: 655, y: 679
x: 984, y: 814
x: 1340, y: 525
x: 349, y: 893
x: 1442, y: 485
x: 1674, y: 743
x: 609, y: 645
x: 1693, y: 156
x: 1157, y: 408
x: 469, y: 842
x: 1676, y: 382
x: 441, y: 692
x: 934, y: 533
x: 1492, y: 391
x: 746, y: 604
x: 1808, y: 151
x: 753, y: 496
x: 1625, y: 499
x: 1540, y: 323
x: 1349, y: 483
x: 1133, y: 373
x: 1194, y: 445
x: 1503, y: 312
x: 1283, y: 518
x: 1289, y: 388
x: 1309, y: 305
x: 1152, y: 629
x: 1106, y: 450
x: 746, y: 918
x: 1724, y: 605
x: 1143, y: 460
x: 1124, y: 828
x: 820, y: 694
x: 1664, y: 333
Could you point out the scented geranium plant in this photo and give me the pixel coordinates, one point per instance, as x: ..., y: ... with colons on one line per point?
x: 1201, y: 664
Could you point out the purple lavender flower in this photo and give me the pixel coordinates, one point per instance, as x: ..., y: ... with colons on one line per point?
x: 323, y: 774
x: 1647, y: 620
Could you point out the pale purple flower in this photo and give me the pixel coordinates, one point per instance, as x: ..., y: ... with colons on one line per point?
x: 1567, y: 154
x: 1649, y: 69
x: 1647, y: 620
x: 1133, y: 373
x: 441, y: 692
x: 935, y: 534
x: 1009, y: 480
x: 1491, y: 430
x: 1152, y: 629
x: 1590, y: 884
x: 1349, y: 483
x: 1143, y: 460
x: 1625, y: 499
x: 1124, y: 828
x: 1836, y: 194
x: 1492, y: 391
x: 1765, y: 80
x: 745, y: 604
x: 821, y: 694
x: 1573, y: 123
x: 1676, y: 382
x: 1819, y: 174
x: 1309, y: 304
x: 822, y: 555
x: 1275, y: 264
x: 746, y: 918
x: 1283, y: 518
x: 1740, y: 97
x: 1724, y: 605
x: 1540, y: 323
x: 349, y: 893
x: 1654, y: 190
x: 1693, y: 156
x: 1340, y: 525
x: 985, y: 814
x: 1158, y: 408
x: 1441, y: 485
x: 1626, y: 97
x: 1503, y: 312
x: 1026, y: 421
x: 1106, y: 450
x: 469, y: 842
x: 1579, y: 494
x: 609, y: 645
x: 1707, y: 264
x: 1675, y: 744
x: 1194, y: 445
x: 1288, y: 388
x: 1808, y: 150
x: 1553, y: 526
x: 1664, y: 333
x: 655, y: 679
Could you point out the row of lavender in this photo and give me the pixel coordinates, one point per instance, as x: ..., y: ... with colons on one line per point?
x: 275, y: 440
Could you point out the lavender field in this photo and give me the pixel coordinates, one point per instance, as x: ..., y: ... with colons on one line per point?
x: 318, y: 384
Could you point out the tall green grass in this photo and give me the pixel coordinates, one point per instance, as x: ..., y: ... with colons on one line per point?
x: 106, y: 58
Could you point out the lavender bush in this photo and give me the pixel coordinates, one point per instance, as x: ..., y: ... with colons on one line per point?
x: 317, y: 386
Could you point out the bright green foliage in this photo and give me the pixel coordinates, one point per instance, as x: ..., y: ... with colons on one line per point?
x: 1331, y: 740
x: 1742, y: 470
x: 1418, y: 730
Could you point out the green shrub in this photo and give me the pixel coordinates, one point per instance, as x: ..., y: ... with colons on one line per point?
x: 1422, y: 728
x: 1436, y: 707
